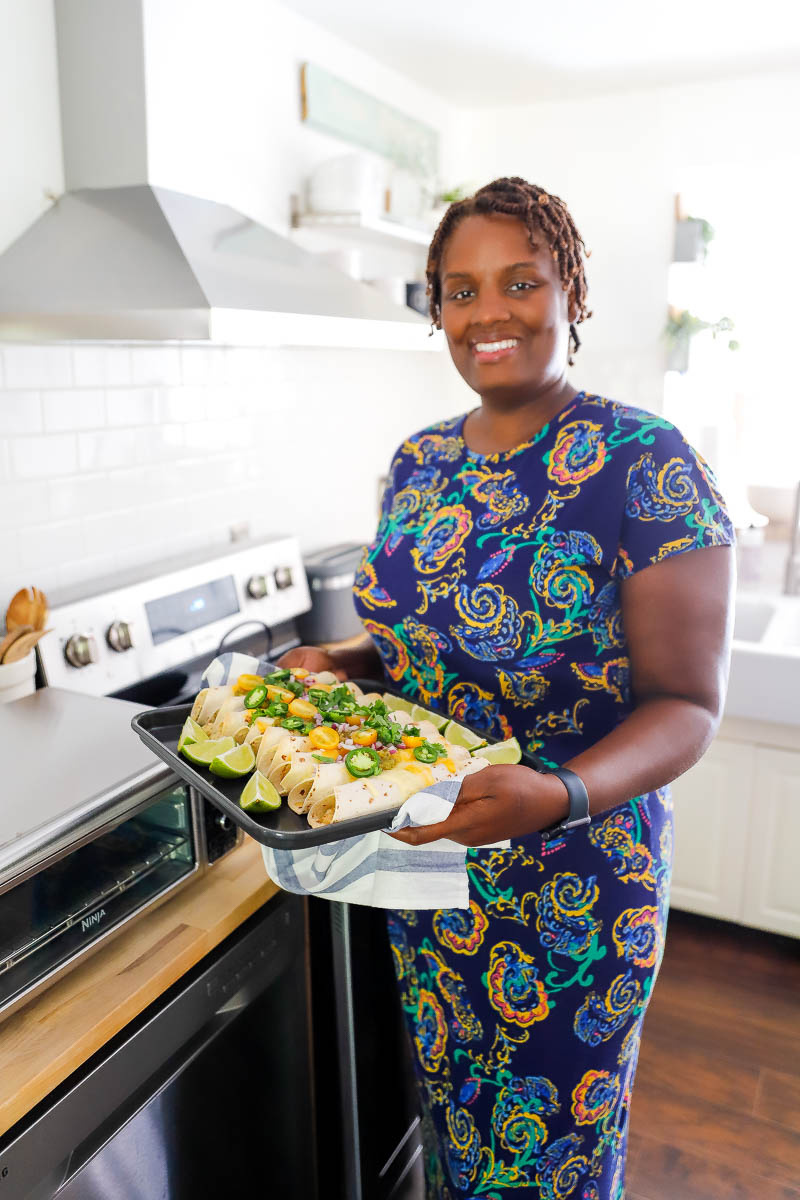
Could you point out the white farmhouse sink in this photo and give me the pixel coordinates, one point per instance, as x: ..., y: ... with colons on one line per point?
x: 764, y: 682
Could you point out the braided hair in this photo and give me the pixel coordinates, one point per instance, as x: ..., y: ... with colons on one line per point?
x: 538, y: 210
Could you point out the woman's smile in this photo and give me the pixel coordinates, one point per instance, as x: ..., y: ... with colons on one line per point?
x: 490, y: 350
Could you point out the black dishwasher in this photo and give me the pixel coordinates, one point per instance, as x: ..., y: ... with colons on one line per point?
x: 207, y: 1093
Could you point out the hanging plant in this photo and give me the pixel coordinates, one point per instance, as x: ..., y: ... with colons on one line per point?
x: 682, y: 326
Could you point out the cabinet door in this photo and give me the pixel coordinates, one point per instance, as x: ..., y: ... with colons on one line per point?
x: 712, y: 802
x: 772, y: 880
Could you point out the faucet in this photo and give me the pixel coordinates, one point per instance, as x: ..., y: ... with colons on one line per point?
x: 792, y: 582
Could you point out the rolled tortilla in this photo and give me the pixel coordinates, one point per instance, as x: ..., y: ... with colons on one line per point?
x: 283, y: 760
x: 383, y: 792
x: 324, y: 677
x: 327, y: 777
x: 259, y: 726
x: 209, y: 701
x: 271, y: 738
x: 301, y: 768
x: 230, y: 719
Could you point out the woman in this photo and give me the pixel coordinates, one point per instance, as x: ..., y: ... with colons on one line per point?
x: 555, y: 566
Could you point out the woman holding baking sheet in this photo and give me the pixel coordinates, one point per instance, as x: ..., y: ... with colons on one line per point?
x: 556, y: 566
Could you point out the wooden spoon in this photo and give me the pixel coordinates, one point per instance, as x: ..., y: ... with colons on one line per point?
x: 23, y: 645
x: 11, y: 637
x: 24, y: 609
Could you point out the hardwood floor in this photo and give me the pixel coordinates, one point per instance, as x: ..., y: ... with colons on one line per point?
x: 716, y: 1106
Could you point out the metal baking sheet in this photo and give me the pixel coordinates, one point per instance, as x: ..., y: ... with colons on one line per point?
x: 159, y: 729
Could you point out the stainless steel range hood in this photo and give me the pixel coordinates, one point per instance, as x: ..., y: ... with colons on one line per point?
x: 144, y: 262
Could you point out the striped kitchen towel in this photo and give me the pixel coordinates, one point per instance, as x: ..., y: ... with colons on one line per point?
x: 377, y: 870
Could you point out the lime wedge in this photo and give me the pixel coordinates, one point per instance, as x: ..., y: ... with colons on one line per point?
x: 191, y: 732
x: 259, y: 795
x: 202, y: 753
x: 423, y: 714
x: 397, y: 703
x: 460, y: 736
x: 501, y: 752
x: 232, y: 764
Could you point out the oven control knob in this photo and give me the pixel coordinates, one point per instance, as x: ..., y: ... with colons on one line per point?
x: 81, y: 650
x: 257, y: 586
x: 118, y: 636
x: 283, y: 577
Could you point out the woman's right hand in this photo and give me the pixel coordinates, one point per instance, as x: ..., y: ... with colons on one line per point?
x: 312, y: 658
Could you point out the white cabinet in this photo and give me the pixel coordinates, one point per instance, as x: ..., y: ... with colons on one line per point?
x: 712, y: 802
x: 772, y: 881
x: 737, y: 834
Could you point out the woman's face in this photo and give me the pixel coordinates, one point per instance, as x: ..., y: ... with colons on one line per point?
x: 505, y: 314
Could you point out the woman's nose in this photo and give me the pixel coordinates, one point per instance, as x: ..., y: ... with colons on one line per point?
x: 491, y: 306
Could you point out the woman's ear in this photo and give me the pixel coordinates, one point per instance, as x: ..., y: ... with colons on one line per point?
x: 572, y: 305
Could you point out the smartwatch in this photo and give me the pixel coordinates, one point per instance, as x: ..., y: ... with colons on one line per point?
x: 578, y: 804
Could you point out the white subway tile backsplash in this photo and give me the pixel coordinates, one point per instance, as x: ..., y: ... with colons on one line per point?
x: 78, y: 496
x: 23, y: 504
x: 20, y: 412
x: 203, y: 365
x: 41, y: 545
x: 114, y: 448
x: 117, y: 455
x: 101, y: 366
x: 156, y: 365
x: 183, y: 403
x: 131, y: 406
x: 44, y: 457
x: 37, y: 366
x: 78, y: 408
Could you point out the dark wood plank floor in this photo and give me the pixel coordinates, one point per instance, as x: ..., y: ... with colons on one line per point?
x: 716, y: 1107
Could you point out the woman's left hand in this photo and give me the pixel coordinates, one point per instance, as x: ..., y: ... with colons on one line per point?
x: 494, y: 804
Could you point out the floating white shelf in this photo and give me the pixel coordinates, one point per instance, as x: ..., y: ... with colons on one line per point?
x: 358, y: 230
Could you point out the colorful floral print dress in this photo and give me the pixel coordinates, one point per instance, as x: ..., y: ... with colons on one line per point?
x: 492, y: 593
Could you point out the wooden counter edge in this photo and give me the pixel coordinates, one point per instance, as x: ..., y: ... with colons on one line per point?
x: 44, y: 1042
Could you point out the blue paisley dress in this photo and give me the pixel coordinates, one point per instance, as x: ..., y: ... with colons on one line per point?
x: 492, y: 593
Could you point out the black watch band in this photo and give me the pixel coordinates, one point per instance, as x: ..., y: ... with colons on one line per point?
x: 578, y: 804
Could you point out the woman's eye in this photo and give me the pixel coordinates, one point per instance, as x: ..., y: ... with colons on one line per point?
x: 522, y: 284
x: 460, y: 295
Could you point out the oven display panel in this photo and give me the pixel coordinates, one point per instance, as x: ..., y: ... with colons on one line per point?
x: 182, y: 612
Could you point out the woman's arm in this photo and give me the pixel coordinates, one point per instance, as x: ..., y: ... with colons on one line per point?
x: 360, y: 661
x: 677, y: 616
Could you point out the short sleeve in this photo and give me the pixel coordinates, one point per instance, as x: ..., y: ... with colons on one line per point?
x: 672, y: 504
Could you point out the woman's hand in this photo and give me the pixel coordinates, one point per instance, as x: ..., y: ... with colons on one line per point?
x: 494, y: 804
x: 313, y: 659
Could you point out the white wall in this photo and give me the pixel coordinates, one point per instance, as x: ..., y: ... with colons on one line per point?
x: 30, y: 131
x: 617, y: 161
x: 223, y: 97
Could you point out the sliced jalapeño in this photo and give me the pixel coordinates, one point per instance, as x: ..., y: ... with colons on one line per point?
x: 363, y: 762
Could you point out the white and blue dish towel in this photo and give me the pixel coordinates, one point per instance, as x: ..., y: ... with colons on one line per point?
x: 372, y: 868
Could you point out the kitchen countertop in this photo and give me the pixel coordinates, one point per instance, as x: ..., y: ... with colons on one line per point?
x: 44, y: 1042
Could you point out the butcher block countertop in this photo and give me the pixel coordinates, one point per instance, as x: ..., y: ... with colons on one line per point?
x: 44, y: 1042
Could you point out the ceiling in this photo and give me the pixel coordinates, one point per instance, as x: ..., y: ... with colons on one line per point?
x: 476, y: 55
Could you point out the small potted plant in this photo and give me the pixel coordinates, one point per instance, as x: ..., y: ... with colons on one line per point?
x: 692, y: 238
x: 682, y: 326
